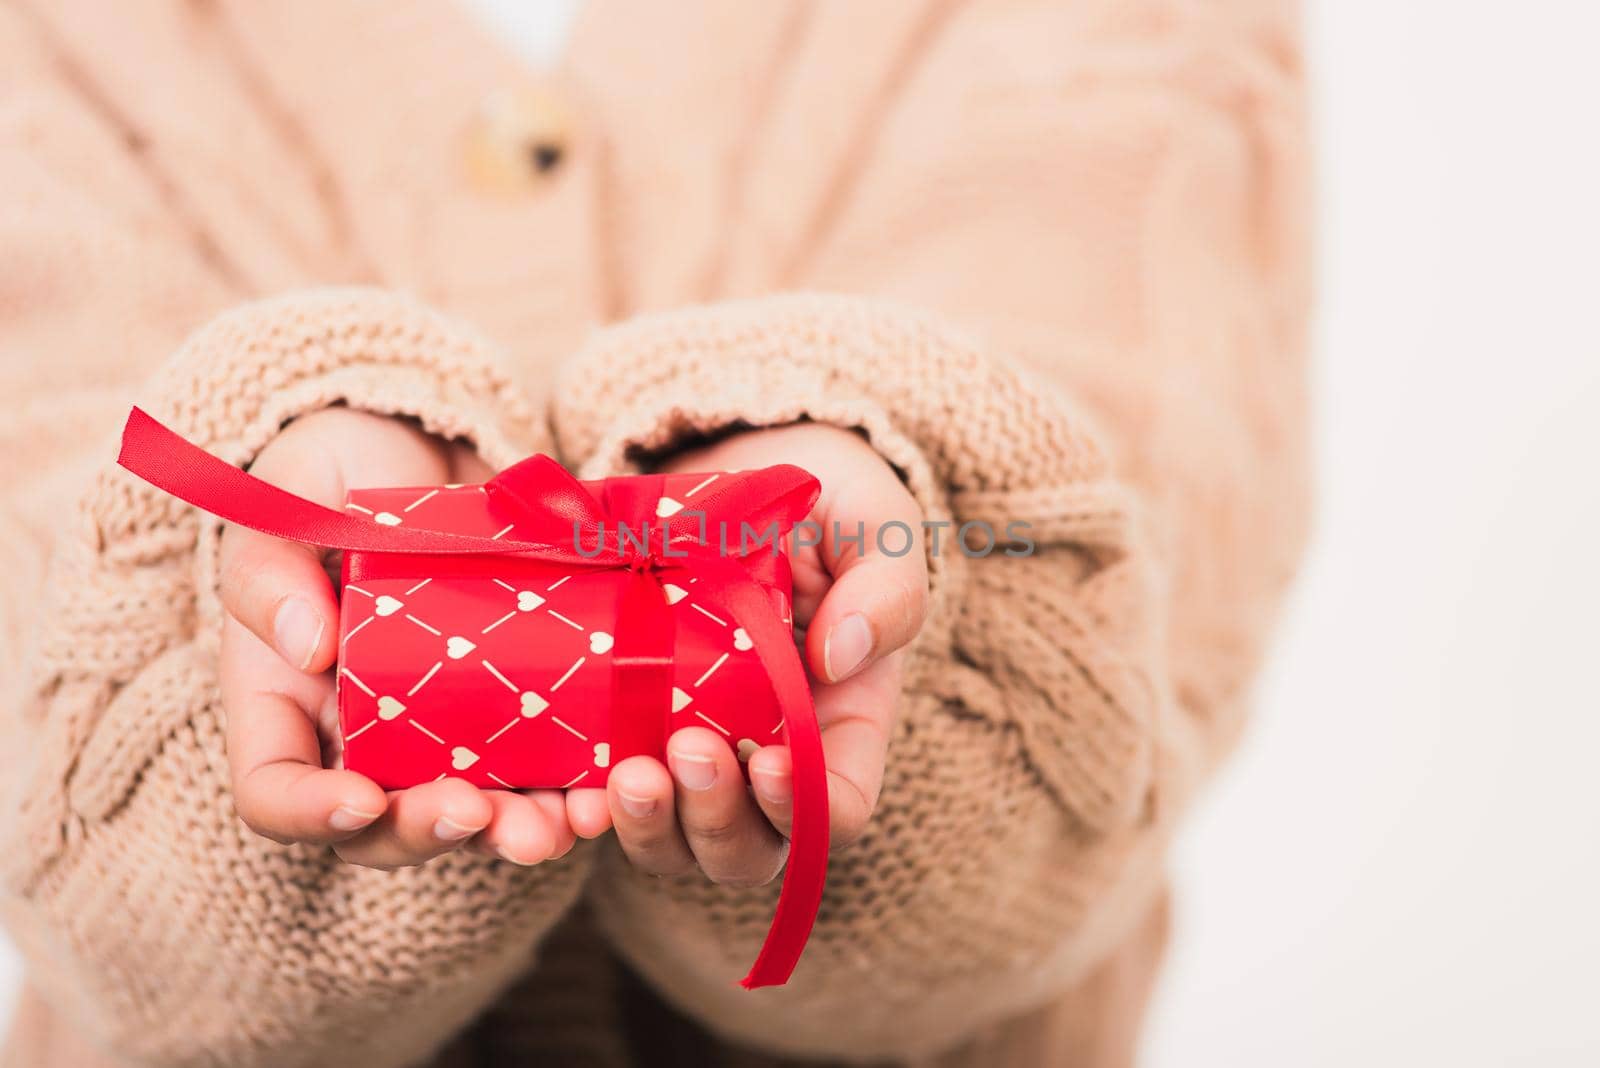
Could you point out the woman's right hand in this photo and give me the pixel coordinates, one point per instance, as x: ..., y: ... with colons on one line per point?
x: 280, y: 643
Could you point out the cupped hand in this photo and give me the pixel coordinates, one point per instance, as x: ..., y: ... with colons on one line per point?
x: 280, y: 641
x: 861, y: 600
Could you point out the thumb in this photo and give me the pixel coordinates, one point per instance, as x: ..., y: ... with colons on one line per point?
x: 281, y: 593
x: 279, y: 590
x: 873, y: 546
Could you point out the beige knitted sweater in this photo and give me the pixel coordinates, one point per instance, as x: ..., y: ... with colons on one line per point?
x: 1049, y: 257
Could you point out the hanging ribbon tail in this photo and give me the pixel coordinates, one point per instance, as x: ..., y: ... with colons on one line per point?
x: 807, y: 870
x: 777, y: 498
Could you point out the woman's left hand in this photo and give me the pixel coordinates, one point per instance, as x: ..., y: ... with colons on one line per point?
x: 860, y: 607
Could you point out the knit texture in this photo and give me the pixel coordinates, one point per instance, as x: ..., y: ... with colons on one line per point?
x: 130, y: 851
x: 1049, y: 259
x: 1013, y: 686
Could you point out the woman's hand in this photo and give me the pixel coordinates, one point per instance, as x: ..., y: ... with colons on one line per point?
x: 860, y: 607
x: 280, y: 640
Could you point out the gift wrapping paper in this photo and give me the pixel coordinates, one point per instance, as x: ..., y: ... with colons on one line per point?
x: 505, y: 681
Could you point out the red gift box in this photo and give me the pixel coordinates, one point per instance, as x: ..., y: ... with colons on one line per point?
x: 506, y: 679
x: 535, y: 630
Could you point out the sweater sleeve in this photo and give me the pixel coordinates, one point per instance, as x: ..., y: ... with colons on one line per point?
x: 160, y: 925
x: 158, y: 929
x: 1064, y: 290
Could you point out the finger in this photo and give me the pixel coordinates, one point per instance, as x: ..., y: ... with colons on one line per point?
x: 280, y: 789
x: 554, y: 805
x: 295, y: 800
x: 855, y: 717
x: 731, y: 840
x: 588, y: 812
x: 420, y: 824
x: 518, y: 830
x: 640, y: 795
x: 281, y: 593
x: 279, y: 589
x: 879, y: 594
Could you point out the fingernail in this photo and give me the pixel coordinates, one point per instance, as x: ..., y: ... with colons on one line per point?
x: 345, y: 818
x: 772, y: 787
x: 515, y: 860
x: 846, y: 646
x: 297, y: 629
x: 448, y: 830
x: 695, y: 772
x: 637, y: 807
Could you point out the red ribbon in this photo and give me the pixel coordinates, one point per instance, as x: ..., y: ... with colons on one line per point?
x: 567, y: 524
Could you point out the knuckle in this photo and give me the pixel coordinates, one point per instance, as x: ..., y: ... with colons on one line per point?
x: 911, y: 599
x: 238, y: 573
x: 243, y: 588
x: 651, y: 843
x: 256, y: 813
x: 718, y: 830
x: 853, y: 812
x: 654, y: 850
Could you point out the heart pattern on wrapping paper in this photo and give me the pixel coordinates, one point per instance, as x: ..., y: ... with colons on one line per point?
x: 668, y: 506
x: 431, y: 638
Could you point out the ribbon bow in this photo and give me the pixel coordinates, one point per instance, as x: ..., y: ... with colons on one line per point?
x: 565, y: 523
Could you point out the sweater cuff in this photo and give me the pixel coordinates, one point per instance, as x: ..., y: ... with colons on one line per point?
x: 237, y: 381
x: 976, y: 442
x: 240, y: 380
x: 230, y: 388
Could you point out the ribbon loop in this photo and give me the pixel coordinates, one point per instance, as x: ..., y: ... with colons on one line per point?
x: 555, y: 516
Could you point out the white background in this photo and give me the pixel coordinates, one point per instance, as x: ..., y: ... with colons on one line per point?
x: 1402, y: 866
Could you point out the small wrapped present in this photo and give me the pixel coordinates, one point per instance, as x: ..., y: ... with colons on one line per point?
x: 504, y: 675
x: 535, y: 630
